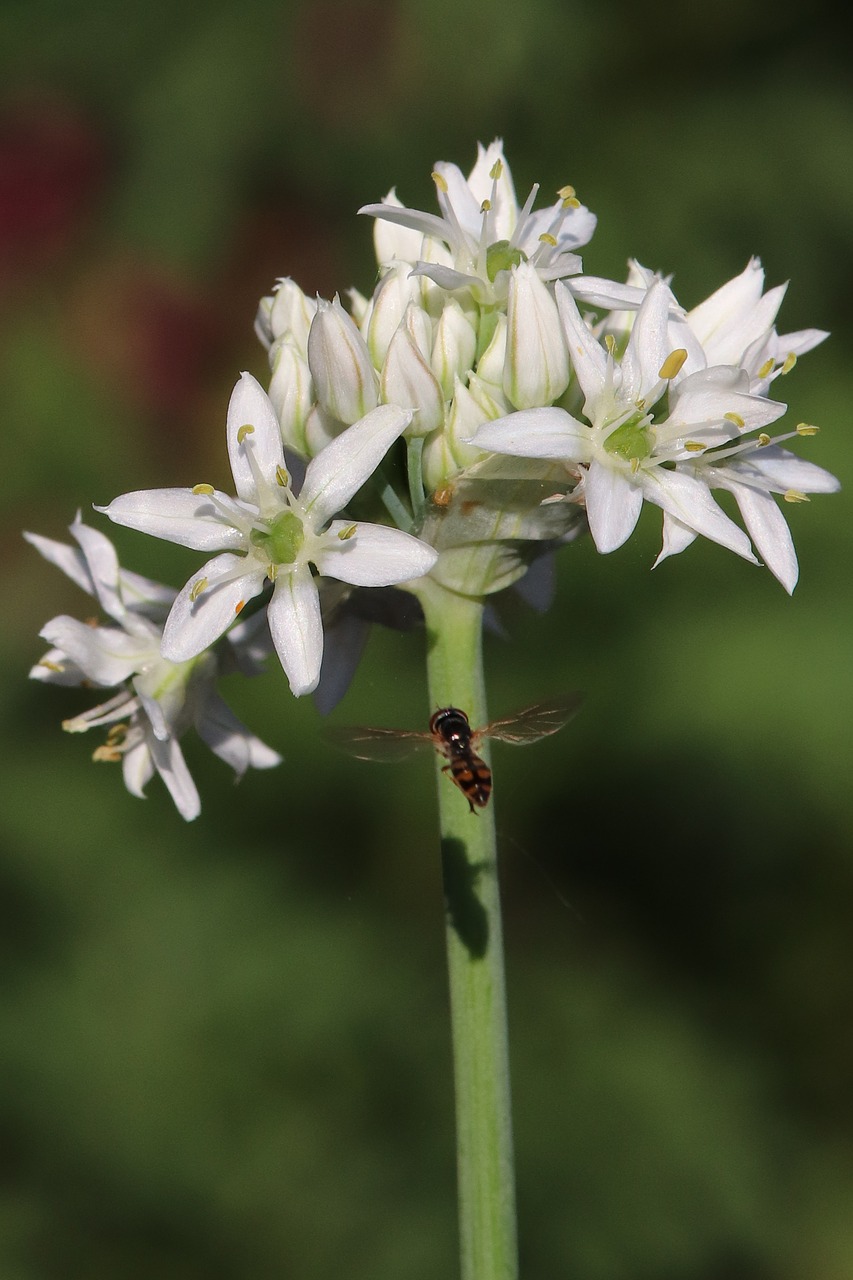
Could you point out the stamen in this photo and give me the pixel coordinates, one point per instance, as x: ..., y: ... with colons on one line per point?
x: 496, y: 170
x: 246, y: 430
x: 117, y: 734
x: 197, y: 588
x: 635, y: 466
x: 763, y: 439
x: 567, y: 192
x: 106, y: 755
x: 485, y: 206
x: 52, y: 666
x: 610, y: 343
x: 203, y: 490
x: 767, y: 368
x: 736, y: 419
x: 790, y: 361
x: 672, y: 364
x: 239, y: 606
x: 440, y: 182
x: 272, y: 570
x: 694, y: 446
x: 282, y: 477
x: 547, y: 238
x: 794, y: 495
x: 346, y: 534
x: 806, y: 429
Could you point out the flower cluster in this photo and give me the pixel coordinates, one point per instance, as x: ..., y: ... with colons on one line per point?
x: 487, y: 404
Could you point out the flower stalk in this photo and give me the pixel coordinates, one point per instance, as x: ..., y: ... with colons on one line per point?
x: 485, y: 1172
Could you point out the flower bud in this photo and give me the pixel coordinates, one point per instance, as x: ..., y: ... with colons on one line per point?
x: 454, y: 346
x: 392, y: 242
x: 391, y: 297
x: 288, y: 310
x: 536, y: 368
x: 490, y: 366
x: 291, y: 391
x: 340, y: 364
x: 407, y: 379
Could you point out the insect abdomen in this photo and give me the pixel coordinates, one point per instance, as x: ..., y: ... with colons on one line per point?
x: 473, y: 777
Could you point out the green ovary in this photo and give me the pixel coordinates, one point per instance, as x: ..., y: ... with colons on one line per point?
x: 632, y: 441
x: 283, y: 542
x: 500, y: 257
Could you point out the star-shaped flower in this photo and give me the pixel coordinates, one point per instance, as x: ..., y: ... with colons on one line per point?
x: 481, y: 232
x: 157, y: 699
x: 624, y: 454
x: 269, y: 533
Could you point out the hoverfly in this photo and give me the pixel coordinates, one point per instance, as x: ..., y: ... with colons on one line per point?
x: 451, y: 735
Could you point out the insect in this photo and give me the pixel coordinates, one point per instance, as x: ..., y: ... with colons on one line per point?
x: 451, y: 735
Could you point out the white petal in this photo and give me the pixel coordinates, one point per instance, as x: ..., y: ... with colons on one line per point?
x: 613, y: 506
x: 340, y: 469
x: 537, y: 433
x: 106, y: 655
x: 769, y: 532
x: 101, y: 558
x: 690, y: 501
x: 177, y: 515
x: 71, y: 561
x: 137, y: 768
x: 296, y: 628
x: 677, y: 537
x: 428, y: 224
x: 194, y: 625
x: 230, y: 739
x: 375, y: 556
x: 780, y: 469
x: 588, y: 357
x: 250, y: 406
x: 171, y: 766
x: 648, y: 346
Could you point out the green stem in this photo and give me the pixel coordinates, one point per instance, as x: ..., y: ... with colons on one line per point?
x: 475, y: 957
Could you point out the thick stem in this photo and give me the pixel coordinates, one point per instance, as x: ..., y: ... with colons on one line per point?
x: 475, y: 956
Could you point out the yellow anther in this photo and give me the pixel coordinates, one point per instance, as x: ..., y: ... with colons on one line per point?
x: 272, y: 570
x: 794, y: 495
x: 694, y: 446
x: 736, y: 419
x: 117, y: 734
x: 203, y: 490
x: 106, y: 755
x: 347, y: 533
x: 282, y: 477
x: 568, y: 195
x: 52, y: 666
x: 790, y: 361
x: 635, y: 466
x: 672, y: 364
x: 246, y: 430
x: 806, y: 429
x: 440, y: 182
x: 485, y: 206
x: 610, y: 342
x: 547, y: 238
x: 496, y: 170
x: 767, y: 368
x: 239, y: 606
x: 197, y: 588
x: 763, y: 439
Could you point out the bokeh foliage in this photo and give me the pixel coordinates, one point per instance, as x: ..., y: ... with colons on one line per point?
x: 223, y: 1048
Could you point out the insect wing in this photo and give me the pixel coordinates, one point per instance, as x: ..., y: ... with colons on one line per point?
x: 369, y: 743
x: 533, y: 723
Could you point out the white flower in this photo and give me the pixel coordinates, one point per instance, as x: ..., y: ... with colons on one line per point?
x: 485, y: 231
x: 269, y: 533
x: 622, y: 453
x: 157, y: 699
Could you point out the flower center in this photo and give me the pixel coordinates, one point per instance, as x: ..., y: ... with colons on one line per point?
x: 283, y: 542
x: 501, y: 256
x: 631, y: 441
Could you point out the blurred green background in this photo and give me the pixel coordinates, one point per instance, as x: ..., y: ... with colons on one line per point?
x: 224, y: 1047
